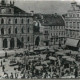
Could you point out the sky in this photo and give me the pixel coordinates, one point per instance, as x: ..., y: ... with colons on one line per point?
x: 45, y: 6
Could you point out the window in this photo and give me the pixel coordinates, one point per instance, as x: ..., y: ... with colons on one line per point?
x: 77, y: 15
x: 9, y: 10
x: 22, y: 30
x: 70, y: 15
x: 46, y: 32
x: 28, y: 20
x: 62, y: 32
x: 15, y: 21
x: 67, y: 15
x: 54, y: 27
x: 9, y: 21
x: 51, y: 34
x: 22, y: 21
x: 66, y: 24
x: 2, y: 21
x: 2, y: 31
x: 16, y: 30
x: 28, y: 39
x: 28, y: 30
x: 51, y: 27
x: 60, y: 27
x: 9, y: 30
x: 59, y: 33
x: 73, y: 15
x: 46, y: 37
x: 74, y: 24
x: 71, y: 24
x: 22, y: 39
x: 77, y: 24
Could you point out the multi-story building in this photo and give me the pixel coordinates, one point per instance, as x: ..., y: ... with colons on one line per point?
x: 16, y: 26
x: 72, y: 21
x: 54, y: 29
x: 72, y: 24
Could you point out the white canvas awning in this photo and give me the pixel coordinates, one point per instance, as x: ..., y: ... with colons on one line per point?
x: 60, y: 53
x: 52, y: 58
x: 10, y: 52
x: 2, y: 53
x: 38, y: 67
x: 72, y: 42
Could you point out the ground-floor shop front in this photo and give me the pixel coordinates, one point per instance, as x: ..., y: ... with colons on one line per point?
x: 11, y: 43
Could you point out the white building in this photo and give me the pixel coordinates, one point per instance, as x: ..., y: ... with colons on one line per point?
x: 72, y: 24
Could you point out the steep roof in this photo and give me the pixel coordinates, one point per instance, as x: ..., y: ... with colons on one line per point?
x: 50, y: 19
x: 53, y: 20
x: 18, y: 10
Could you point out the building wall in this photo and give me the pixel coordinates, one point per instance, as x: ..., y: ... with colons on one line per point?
x: 46, y: 35
x: 16, y: 30
x: 54, y: 34
x: 72, y: 22
x: 57, y: 34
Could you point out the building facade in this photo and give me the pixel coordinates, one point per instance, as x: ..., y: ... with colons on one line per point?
x: 72, y: 22
x: 16, y: 26
x: 54, y: 29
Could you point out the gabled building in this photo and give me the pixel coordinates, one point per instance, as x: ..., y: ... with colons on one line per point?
x: 54, y: 29
x: 16, y: 26
x: 72, y: 24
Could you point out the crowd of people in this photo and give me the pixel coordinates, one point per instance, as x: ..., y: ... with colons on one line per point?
x: 42, y: 64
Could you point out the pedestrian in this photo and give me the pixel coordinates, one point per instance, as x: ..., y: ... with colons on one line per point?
x: 11, y: 77
x: 16, y: 75
x: 6, y: 54
x: 7, y: 76
x: 76, y: 72
x: 3, y: 68
x: 1, y: 63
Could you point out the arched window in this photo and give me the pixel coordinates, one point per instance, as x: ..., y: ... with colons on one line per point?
x: 9, y: 21
x: 15, y: 21
x: 2, y: 21
x: 5, y: 43
x: 9, y: 30
x: 28, y: 30
x: 22, y: 30
x: 22, y: 21
x: 9, y: 10
x: 28, y: 38
x: 16, y: 30
x: 2, y: 31
x: 28, y: 20
x: 22, y: 42
x: 22, y: 39
x: 12, y: 43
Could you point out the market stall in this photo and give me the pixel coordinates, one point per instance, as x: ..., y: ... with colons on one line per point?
x: 2, y: 53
